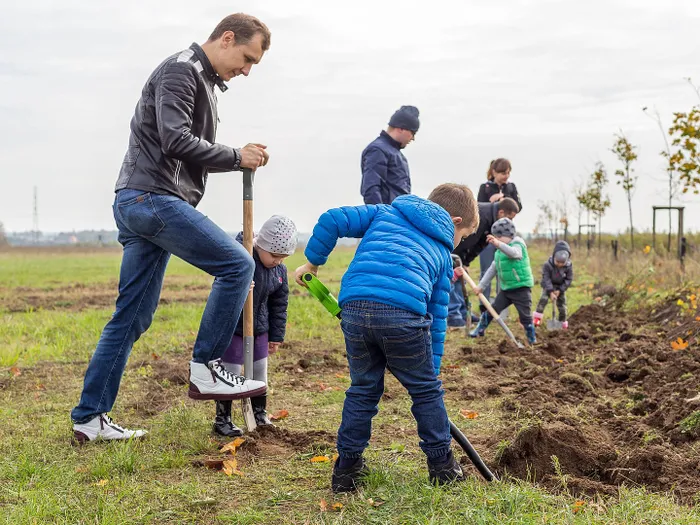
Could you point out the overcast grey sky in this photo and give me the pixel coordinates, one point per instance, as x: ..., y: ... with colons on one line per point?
x: 545, y: 83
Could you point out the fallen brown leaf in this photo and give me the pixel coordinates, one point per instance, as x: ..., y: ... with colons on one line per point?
x: 469, y: 414
x: 214, y: 463
x: 233, y: 445
x: 679, y: 344
x: 15, y: 371
x: 323, y: 505
x: 231, y: 467
x: 280, y: 414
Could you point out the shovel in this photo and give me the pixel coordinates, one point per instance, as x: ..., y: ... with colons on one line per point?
x: 553, y: 324
x: 320, y: 292
x: 493, y: 313
x: 246, y: 405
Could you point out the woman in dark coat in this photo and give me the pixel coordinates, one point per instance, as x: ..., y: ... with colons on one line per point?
x: 494, y: 189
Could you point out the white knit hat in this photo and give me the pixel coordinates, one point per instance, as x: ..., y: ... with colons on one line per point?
x: 277, y: 235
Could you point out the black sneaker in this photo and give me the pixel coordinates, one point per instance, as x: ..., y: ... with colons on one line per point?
x: 445, y: 471
x: 348, y: 479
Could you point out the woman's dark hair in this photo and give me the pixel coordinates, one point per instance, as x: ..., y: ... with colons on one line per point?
x: 498, y: 166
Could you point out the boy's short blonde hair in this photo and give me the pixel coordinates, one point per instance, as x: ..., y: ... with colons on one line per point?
x: 458, y: 200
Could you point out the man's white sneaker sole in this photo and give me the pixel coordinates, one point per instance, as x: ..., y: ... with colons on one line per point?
x: 195, y: 393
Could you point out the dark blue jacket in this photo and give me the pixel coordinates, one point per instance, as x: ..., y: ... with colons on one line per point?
x: 270, y: 298
x: 385, y: 173
x: 403, y: 260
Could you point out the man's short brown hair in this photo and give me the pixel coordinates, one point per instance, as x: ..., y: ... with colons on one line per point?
x: 508, y: 206
x: 458, y: 200
x: 244, y: 27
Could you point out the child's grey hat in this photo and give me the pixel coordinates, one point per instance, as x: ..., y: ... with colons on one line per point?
x: 503, y: 228
x: 278, y: 235
x: 561, y: 256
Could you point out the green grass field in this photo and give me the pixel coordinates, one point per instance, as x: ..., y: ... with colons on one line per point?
x: 44, y: 350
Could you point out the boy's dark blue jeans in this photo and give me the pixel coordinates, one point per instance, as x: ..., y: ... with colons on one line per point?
x: 378, y: 336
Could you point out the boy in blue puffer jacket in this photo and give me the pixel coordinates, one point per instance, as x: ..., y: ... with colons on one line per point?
x: 394, y: 298
x: 276, y: 240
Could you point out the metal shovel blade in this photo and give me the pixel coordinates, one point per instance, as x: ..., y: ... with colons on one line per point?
x: 553, y: 324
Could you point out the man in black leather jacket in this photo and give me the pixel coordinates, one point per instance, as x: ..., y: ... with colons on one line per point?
x: 171, y: 151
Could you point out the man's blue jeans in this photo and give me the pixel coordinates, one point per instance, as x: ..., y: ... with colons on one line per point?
x: 151, y: 227
x: 457, y: 308
x: 378, y: 336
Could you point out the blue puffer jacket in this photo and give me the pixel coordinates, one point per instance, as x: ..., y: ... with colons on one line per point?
x: 270, y: 298
x: 403, y: 259
x: 385, y: 173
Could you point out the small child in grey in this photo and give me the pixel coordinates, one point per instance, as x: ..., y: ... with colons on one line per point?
x: 557, y: 275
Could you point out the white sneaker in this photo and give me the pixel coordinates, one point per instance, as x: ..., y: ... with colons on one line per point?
x: 102, y: 427
x: 213, y: 381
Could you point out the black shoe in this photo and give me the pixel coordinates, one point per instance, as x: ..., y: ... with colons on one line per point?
x: 445, y: 471
x: 223, y: 424
x: 259, y: 410
x: 348, y: 479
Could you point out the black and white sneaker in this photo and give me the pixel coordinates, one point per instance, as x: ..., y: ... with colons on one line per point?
x: 102, y: 427
x: 445, y: 471
x: 213, y: 381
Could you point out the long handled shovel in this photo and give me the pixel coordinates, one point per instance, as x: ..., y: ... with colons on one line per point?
x: 246, y: 405
x: 320, y: 292
x: 493, y: 313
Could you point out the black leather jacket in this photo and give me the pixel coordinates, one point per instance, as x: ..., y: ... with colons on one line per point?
x: 470, y: 247
x: 171, y: 145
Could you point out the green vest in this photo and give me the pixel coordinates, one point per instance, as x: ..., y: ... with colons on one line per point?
x: 514, y: 273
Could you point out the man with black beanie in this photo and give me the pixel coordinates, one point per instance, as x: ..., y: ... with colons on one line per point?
x: 385, y: 173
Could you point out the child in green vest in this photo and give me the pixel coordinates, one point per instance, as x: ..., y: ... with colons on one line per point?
x: 512, y: 264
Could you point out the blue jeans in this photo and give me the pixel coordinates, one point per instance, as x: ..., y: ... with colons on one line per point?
x: 378, y: 336
x: 457, y: 308
x: 151, y: 227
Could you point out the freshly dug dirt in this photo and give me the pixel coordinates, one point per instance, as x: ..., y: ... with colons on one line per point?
x: 606, y: 403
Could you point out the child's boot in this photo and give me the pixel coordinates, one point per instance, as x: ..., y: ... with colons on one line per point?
x: 537, y: 318
x: 445, y: 470
x: 479, y: 330
x: 223, y: 424
x: 348, y: 478
x: 530, y: 332
x: 565, y: 325
x: 260, y: 411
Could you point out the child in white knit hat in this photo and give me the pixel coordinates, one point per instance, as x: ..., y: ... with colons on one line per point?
x: 276, y: 240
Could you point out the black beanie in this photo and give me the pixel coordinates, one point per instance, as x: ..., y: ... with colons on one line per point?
x: 405, y: 118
